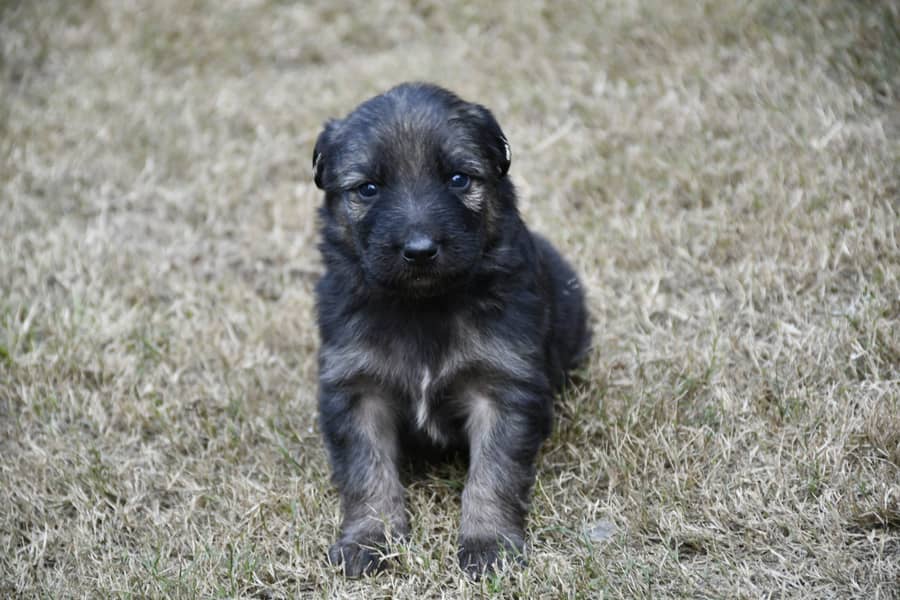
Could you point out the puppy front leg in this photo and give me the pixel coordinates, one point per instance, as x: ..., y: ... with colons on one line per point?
x: 360, y: 432
x: 504, y: 439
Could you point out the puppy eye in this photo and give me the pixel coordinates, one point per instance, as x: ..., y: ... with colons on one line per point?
x: 460, y: 182
x: 367, y: 190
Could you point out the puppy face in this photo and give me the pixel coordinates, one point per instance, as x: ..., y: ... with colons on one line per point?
x: 411, y: 180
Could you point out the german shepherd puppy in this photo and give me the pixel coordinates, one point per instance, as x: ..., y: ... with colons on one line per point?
x: 445, y: 323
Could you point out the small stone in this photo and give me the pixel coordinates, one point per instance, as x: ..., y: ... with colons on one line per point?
x: 601, y: 531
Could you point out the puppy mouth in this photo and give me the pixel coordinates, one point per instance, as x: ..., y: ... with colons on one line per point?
x: 426, y: 282
x: 421, y: 282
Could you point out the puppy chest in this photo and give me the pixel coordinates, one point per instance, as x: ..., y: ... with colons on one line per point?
x: 434, y: 408
x: 428, y: 381
x: 423, y: 412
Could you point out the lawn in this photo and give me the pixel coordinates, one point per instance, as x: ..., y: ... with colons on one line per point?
x: 723, y: 174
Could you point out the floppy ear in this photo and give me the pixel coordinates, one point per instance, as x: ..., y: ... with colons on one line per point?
x: 507, y: 154
x: 493, y: 138
x: 321, y: 152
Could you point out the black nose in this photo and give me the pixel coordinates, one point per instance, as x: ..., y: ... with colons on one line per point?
x: 420, y: 250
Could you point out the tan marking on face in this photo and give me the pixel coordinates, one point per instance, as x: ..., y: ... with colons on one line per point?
x: 474, y: 197
x: 356, y: 209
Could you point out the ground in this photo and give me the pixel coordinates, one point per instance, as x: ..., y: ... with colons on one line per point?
x: 722, y: 174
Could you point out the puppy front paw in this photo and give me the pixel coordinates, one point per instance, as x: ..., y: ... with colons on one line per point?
x: 479, y: 556
x: 357, y: 558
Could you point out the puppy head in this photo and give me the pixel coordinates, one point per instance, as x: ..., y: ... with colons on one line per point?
x: 413, y: 179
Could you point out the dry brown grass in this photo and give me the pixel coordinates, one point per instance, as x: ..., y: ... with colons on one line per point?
x: 724, y: 174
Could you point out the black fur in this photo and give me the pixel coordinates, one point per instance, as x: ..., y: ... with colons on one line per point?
x: 461, y: 347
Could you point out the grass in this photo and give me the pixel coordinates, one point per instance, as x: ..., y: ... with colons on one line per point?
x: 723, y: 174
